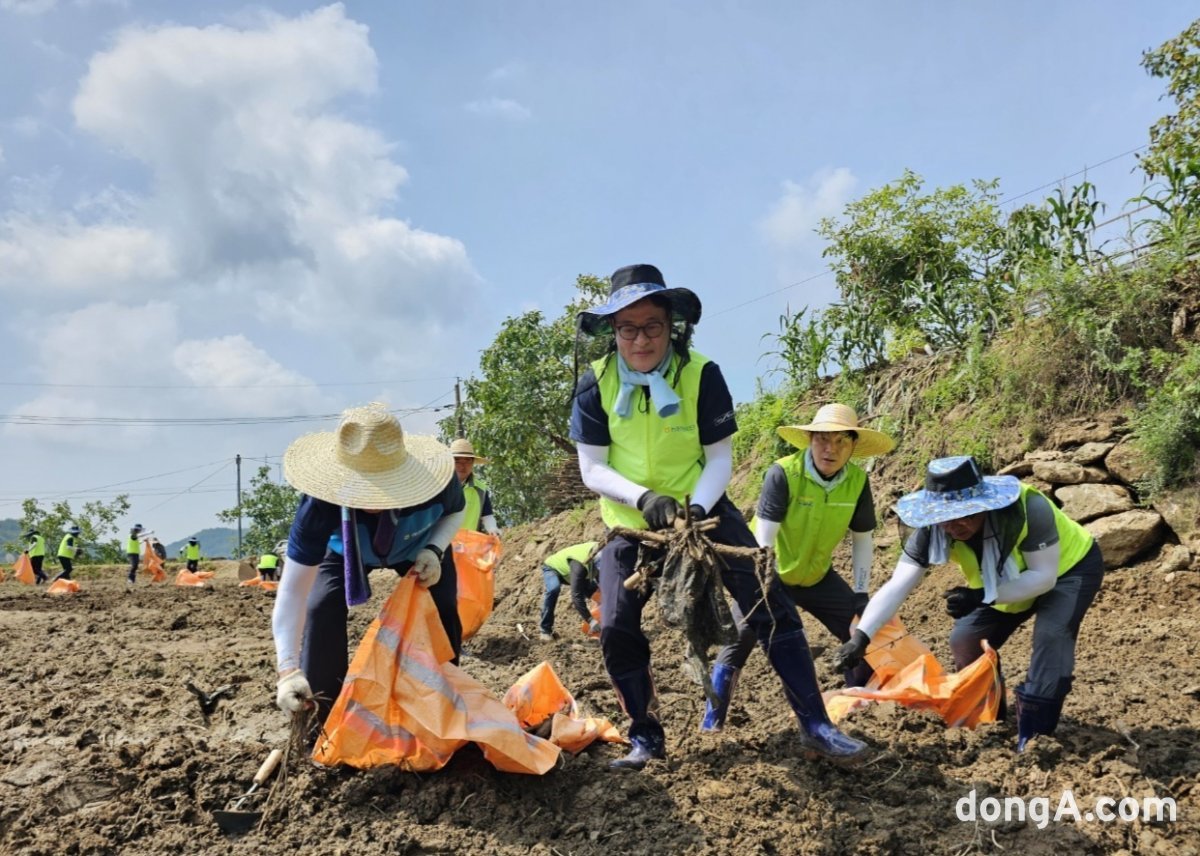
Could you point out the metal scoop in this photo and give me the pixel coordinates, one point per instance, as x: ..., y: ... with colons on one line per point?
x: 232, y: 820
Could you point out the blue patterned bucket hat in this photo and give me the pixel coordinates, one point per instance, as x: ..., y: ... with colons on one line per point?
x: 631, y: 284
x: 954, y: 488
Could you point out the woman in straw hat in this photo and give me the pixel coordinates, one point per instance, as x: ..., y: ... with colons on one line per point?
x: 1021, y: 557
x: 479, y: 516
x: 373, y: 497
x: 653, y: 422
x: 809, y: 501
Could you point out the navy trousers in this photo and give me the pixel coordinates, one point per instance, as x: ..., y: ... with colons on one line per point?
x: 133, y: 566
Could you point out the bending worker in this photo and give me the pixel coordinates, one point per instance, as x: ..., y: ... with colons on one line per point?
x: 571, y: 563
x: 653, y: 422
x: 373, y: 498
x: 268, y: 563
x: 479, y: 516
x: 191, y: 552
x: 809, y: 501
x: 1021, y: 557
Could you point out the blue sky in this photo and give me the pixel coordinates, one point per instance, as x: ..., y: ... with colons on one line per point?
x: 287, y: 198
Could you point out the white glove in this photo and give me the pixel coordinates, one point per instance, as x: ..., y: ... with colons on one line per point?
x: 428, y: 567
x: 292, y: 693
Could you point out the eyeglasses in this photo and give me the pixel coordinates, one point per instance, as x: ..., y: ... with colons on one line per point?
x: 836, y: 439
x: 629, y: 332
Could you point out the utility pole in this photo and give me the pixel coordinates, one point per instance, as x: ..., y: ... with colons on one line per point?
x: 239, y: 504
x: 458, y: 407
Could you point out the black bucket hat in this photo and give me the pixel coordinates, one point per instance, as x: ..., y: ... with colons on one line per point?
x: 631, y: 284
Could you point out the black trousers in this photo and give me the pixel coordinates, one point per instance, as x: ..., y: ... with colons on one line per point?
x: 133, y: 566
x: 38, y: 574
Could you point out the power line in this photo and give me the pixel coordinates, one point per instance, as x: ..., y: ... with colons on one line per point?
x: 770, y: 293
x: 1058, y: 181
x: 188, y: 489
x: 222, y: 386
x: 179, y: 421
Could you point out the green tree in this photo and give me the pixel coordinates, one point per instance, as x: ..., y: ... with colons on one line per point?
x: 516, y: 411
x: 1175, y: 138
x: 269, y: 507
x: 96, y: 520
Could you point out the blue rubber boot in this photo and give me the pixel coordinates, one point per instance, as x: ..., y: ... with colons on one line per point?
x: 724, y: 681
x: 1035, y: 715
x: 790, y: 657
x: 635, y: 691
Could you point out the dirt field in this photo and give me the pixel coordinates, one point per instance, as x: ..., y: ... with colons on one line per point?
x: 103, y: 750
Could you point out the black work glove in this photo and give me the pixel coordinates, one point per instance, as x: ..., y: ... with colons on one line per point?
x: 962, y: 601
x: 660, y: 511
x: 852, y: 652
x: 697, y: 512
x: 861, y: 598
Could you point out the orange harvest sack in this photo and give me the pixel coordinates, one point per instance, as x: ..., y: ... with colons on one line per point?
x: 152, y: 564
x: 539, y: 695
x: 594, y: 608
x: 259, y: 582
x: 23, y: 569
x: 908, y: 673
x: 199, y: 579
x: 63, y: 587
x: 475, y: 557
x: 403, y: 703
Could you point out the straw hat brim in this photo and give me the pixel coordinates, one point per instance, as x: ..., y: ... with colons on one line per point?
x: 870, y: 442
x: 311, y: 466
x: 479, y: 459
x: 923, y: 508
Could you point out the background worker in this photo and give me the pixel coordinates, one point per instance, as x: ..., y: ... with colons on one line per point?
x: 68, y: 549
x: 809, y: 501
x: 478, y: 516
x: 559, y: 567
x: 1021, y: 557
x: 268, y: 563
x: 191, y: 552
x: 133, y: 551
x: 372, y: 497
x: 36, y: 550
x: 653, y: 423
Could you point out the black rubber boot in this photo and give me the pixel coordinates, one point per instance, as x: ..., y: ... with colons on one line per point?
x: 635, y: 691
x: 1035, y: 715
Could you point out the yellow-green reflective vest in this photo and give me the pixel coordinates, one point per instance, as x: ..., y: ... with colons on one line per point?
x: 268, y: 562
x: 192, y: 553
x: 67, y: 548
x: 661, y: 454
x: 816, y: 521
x: 38, y: 547
x: 1073, y: 543
x: 131, y: 546
x: 560, y: 561
x: 473, y: 491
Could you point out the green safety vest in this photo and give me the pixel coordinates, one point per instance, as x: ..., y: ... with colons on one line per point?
x: 663, y: 455
x: 816, y: 521
x: 268, y: 562
x: 38, y: 547
x: 193, y: 552
x: 131, y: 546
x: 1073, y: 543
x: 473, y: 491
x: 560, y: 561
x: 67, y: 548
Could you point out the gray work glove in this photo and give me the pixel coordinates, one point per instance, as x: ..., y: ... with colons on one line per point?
x: 292, y: 693
x: 428, y: 567
x: 852, y: 652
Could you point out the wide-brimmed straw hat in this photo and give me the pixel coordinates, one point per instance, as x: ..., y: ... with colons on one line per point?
x: 839, y: 417
x: 462, y: 448
x: 631, y: 284
x: 955, y: 487
x: 368, y: 463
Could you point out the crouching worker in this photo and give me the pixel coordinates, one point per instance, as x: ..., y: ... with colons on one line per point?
x: 1021, y: 557
x: 372, y: 498
x: 573, y: 564
x: 809, y: 501
x: 268, y: 564
x: 653, y: 422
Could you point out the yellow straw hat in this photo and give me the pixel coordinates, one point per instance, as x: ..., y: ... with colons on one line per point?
x: 461, y: 448
x: 368, y: 462
x: 839, y: 417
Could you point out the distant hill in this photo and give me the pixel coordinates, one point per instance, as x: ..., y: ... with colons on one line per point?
x: 216, y: 542
x: 10, y: 530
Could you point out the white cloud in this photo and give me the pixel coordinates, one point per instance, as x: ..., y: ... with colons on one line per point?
x: 790, y: 223
x: 1, y: 155
x: 26, y: 126
x: 28, y: 7
x: 503, y: 108
x: 74, y: 257
x: 507, y: 72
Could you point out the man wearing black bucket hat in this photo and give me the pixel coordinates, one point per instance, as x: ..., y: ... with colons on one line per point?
x: 1021, y: 557
x: 653, y: 422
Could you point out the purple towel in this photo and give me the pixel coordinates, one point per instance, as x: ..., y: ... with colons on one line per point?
x: 358, y: 587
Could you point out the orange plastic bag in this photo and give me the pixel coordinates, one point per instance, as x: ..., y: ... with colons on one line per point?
x: 152, y: 564
x: 909, y: 674
x: 59, y: 587
x: 23, y: 569
x: 403, y: 703
x: 475, y: 558
x: 259, y: 582
x: 594, y: 609
x: 200, y: 579
x: 539, y: 694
